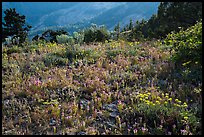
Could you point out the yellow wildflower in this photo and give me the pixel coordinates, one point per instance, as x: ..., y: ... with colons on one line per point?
x: 142, y: 95
x: 157, y: 102
x: 170, y: 99
x: 177, y: 105
x: 146, y: 95
x: 185, y: 105
x: 185, y: 117
x: 159, y: 98
x: 147, y: 103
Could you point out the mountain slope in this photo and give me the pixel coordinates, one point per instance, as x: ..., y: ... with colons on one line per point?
x: 125, y: 12
x: 80, y: 12
x: 44, y: 14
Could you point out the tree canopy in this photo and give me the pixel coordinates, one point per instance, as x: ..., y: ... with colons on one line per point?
x: 170, y: 17
x: 14, y: 25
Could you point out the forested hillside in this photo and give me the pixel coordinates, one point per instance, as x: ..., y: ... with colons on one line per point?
x: 73, y: 16
x: 141, y: 79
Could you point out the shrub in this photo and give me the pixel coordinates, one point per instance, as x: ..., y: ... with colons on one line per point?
x: 72, y: 52
x: 113, y: 53
x: 14, y: 49
x: 187, y: 45
x: 96, y: 34
x: 163, y: 110
x: 78, y: 37
x: 62, y: 38
x: 53, y: 60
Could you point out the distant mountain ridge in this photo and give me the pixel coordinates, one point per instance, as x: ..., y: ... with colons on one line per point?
x: 47, y: 14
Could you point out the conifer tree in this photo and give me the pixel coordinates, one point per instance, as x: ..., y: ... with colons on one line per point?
x: 14, y: 25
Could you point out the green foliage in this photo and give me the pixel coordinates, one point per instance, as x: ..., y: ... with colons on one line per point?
x: 187, y: 45
x: 51, y: 35
x: 78, y: 37
x: 170, y: 17
x: 62, y: 39
x: 12, y: 41
x: 72, y: 52
x: 14, y: 25
x: 54, y: 60
x: 71, y: 40
x: 14, y: 49
x: 113, y: 53
x: 96, y: 34
x: 117, y: 32
x: 116, y: 87
x: 153, y: 107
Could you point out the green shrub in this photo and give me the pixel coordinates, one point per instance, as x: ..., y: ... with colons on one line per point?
x: 96, y: 34
x: 62, y: 38
x: 166, y: 111
x: 78, y: 37
x: 72, y: 52
x: 187, y: 45
x: 14, y: 49
x: 53, y: 60
x: 113, y: 53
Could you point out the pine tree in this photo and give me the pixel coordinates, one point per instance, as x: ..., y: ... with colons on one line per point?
x: 117, y: 30
x: 14, y: 25
x: 131, y: 25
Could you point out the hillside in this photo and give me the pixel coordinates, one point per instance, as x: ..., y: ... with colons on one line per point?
x: 123, y: 13
x: 144, y: 78
x: 41, y: 15
x: 116, y: 87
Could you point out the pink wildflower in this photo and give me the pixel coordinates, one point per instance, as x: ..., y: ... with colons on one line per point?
x: 38, y: 82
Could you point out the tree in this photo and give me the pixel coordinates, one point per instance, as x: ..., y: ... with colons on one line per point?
x: 36, y: 38
x: 51, y: 35
x: 130, y: 31
x: 172, y: 15
x: 89, y: 35
x: 14, y: 25
x: 117, y: 30
x: 96, y: 34
x: 131, y: 25
x: 138, y: 30
x: 102, y: 34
